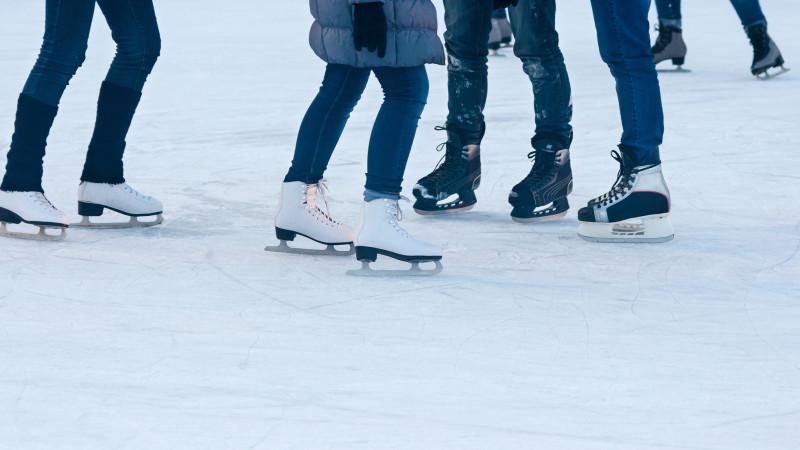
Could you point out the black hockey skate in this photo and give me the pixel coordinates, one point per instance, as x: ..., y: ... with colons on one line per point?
x: 459, y: 175
x: 635, y: 209
x: 766, y: 54
x: 670, y: 46
x: 542, y: 195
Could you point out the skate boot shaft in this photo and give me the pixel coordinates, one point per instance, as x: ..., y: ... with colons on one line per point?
x: 458, y: 174
x: 669, y: 45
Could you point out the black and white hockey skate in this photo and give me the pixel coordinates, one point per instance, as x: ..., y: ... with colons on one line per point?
x: 95, y: 198
x: 670, y: 46
x: 542, y: 195
x: 635, y: 210
x: 766, y: 55
x: 299, y: 214
x: 450, y: 188
x: 31, y: 208
x: 381, y: 234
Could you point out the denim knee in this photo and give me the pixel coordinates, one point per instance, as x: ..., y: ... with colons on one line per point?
x: 413, y: 87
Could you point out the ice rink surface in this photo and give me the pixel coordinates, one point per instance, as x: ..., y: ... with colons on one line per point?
x: 190, y: 336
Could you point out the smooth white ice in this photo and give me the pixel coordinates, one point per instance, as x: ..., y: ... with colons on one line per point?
x: 189, y: 336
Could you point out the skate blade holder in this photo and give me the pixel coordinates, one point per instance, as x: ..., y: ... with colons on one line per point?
x: 415, y: 271
x: 766, y: 75
x: 649, y: 229
x: 329, y: 250
x: 41, y: 235
x: 132, y: 222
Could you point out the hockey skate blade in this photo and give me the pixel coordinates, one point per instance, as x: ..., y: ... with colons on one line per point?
x: 133, y: 222
x: 42, y: 235
x: 443, y: 212
x: 649, y: 229
x: 414, y: 271
x: 329, y: 250
x: 540, y: 219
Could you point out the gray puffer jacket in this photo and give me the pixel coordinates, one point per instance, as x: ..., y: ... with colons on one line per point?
x: 412, y: 39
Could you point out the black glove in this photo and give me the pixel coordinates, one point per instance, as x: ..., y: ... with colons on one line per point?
x: 369, y: 27
x: 504, y: 3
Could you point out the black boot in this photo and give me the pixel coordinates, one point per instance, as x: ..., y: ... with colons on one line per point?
x: 459, y: 174
x: 542, y: 195
x: 766, y: 54
x: 115, y: 109
x: 669, y: 45
x: 24, y: 164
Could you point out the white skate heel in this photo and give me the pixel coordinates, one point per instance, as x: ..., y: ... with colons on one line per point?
x: 95, y: 198
x: 299, y: 214
x: 381, y: 234
x: 31, y: 208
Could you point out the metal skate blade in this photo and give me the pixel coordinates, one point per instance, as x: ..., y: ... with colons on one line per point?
x: 42, y: 235
x: 133, y: 222
x: 443, y: 212
x: 414, y: 271
x: 646, y: 230
x: 677, y: 69
x: 766, y: 75
x: 540, y: 219
x: 330, y: 250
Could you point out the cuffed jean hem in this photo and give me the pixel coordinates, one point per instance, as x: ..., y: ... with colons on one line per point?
x: 370, y: 195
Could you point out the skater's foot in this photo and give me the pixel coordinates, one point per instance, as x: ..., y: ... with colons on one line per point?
x: 542, y: 195
x: 381, y: 234
x: 299, y: 213
x: 32, y: 208
x: 766, y: 54
x: 636, y: 209
x: 450, y: 188
x: 95, y: 198
x: 669, y: 46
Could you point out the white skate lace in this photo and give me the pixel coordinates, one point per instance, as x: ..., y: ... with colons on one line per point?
x: 126, y: 187
x: 320, y: 189
x: 41, y: 200
x: 396, y: 214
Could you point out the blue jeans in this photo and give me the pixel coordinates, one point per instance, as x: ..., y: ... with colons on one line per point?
x: 749, y: 11
x: 133, y: 27
x: 67, y: 23
x: 467, y: 40
x: 624, y: 39
x: 405, y: 94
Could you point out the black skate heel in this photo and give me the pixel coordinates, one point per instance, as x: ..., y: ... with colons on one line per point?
x: 366, y: 254
x: 285, y: 235
x: 90, y: 209
x: 678, y: 61
x: 7, y: 216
